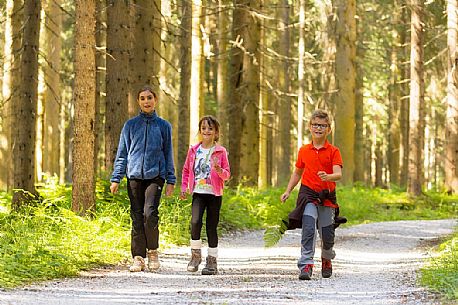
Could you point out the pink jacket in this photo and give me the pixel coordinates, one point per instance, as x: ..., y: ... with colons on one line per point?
x: 217, y: 180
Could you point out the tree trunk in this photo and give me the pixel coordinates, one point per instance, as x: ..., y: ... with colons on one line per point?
x: 11, y: 81
x: 394, y: 109
x: 284, y: 169
x: 360, y: 140
x: 328, y: 44
x: 249, y: 90
x: 222, y: 83
x: 185, y: 83
x: 263, y: 112
x: 100, y: 87
x: 25, y: 108
x: 451, y: 171
x: 83, y: 192
x: 52, y: 97
x: 196, y: 99
x: 117, y: 83
x: 6, y: 113
x: 404, y: 88
x: 300, y: 75
x: 345, y: 79
x: 417, y: 100
x: 141, y: 59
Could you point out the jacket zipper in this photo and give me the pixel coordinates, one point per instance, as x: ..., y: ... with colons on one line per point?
x: 144, y: 149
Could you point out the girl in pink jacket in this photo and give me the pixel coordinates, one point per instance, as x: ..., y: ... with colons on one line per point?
x: 204, y: 172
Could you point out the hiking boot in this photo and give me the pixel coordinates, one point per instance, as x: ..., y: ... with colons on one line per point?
x: 138, y: 264
x: 210, y: 266
x: 196, y: 259
x: 306, y: 272
x: 153, y: 260
x: 326, y: 267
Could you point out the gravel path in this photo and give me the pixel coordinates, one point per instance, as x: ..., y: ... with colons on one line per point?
x: 375, y: 264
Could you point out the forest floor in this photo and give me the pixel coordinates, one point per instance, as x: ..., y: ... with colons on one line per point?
x: 376, y: 264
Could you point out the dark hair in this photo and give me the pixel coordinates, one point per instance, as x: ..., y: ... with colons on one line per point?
x: 213, y: 122
x: 146, y: 88
x: 320, y: 114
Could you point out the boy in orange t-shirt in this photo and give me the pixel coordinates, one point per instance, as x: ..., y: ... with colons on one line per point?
x: 318, y: 166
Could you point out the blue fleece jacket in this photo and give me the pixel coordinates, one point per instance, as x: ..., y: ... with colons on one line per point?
x: 145, y: 150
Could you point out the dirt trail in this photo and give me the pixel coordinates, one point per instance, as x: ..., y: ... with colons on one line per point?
x: 375, y: 264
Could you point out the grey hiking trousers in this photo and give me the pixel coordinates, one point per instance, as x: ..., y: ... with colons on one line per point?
x: 316, y: 218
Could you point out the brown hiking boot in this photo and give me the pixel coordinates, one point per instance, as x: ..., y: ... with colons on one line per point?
x: 138, y: 264
x: 211, y: 267
x: 326, y: 267
x: 196, y: 259
x: 153, y: 260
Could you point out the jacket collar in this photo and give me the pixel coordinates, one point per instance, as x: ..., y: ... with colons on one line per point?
x: 147, y: 117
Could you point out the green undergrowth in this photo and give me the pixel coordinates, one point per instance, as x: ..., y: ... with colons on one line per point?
x: 47, y: 240
x: 441, y: 273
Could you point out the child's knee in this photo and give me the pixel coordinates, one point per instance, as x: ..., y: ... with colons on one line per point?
x: 327, y: 235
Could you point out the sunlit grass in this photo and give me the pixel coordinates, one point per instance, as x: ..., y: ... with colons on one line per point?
x: 441, y: 273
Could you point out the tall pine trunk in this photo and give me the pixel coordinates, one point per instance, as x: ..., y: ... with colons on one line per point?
x: 141, y: 57
x: 345, y: 80
x: 83, y: 192
x: 284, y: 168
x: 185, y: 83
x: 196, y: 98
x: 25, y: 108
x: 451, y: 171
x: 52, y: 97
x: 417, y: 100
x: 394, y: 100
x: 117, y: 82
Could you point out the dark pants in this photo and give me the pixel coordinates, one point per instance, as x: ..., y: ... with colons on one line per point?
x: 144, y: 198
x: 212, y: 203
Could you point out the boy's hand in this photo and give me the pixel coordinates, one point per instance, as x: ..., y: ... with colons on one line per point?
x: 169, y: 189
x: 183, y: 195
x: 323, y: 176
x: 284, y: 197
x: 114, y: 187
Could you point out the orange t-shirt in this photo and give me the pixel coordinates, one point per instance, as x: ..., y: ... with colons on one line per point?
x: 313, y: 160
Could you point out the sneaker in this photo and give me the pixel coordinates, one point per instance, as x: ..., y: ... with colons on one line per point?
x: 306, y: 272
x: 210, y: 266
x: 138, y: 264
x: 326, y: 267
x: 153, y: 260
x: 196, y: 259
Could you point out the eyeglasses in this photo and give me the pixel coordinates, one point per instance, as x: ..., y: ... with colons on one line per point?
x: 321, y: 126
x: 149, y: 97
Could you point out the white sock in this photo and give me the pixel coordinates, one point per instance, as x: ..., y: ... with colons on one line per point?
x: 213, y: 252
x: 196, y: 244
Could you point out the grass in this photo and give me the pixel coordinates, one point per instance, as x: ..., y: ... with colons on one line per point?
x: 49, y: 241
x: 441, y: 273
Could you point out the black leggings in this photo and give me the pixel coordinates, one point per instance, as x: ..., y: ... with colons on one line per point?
x: 212, y: 203
x: 144, y: 198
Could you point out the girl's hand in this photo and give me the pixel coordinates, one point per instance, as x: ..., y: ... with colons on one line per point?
x: 183, y: 195
x: 216, y: 166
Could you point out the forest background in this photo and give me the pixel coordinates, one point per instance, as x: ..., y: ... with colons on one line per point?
x: 385, y: 70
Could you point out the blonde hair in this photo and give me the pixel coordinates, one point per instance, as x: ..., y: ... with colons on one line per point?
x: 320, y: 114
